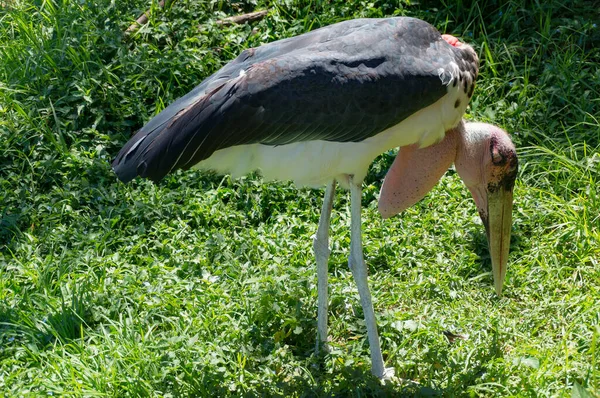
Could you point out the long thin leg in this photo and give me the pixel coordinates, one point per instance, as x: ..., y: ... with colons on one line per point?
x: 359, y: 271
x: 321, y: 247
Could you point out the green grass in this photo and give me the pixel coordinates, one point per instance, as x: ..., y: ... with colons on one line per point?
x: 204, y: 286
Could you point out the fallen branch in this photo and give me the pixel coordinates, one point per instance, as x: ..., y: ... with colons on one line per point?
x: 243, y: 18
x: 237, y: 19
x: 142, y: 20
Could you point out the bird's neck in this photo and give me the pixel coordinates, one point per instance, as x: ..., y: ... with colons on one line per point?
x: 415, y: 171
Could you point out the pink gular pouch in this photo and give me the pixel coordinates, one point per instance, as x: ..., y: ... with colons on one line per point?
x: 485, y: 159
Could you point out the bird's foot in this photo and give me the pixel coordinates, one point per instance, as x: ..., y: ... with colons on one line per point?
x: 389, y: 373
x: 388, y: 376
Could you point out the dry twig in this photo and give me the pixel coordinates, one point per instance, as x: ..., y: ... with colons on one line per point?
x: 237, y: 19
x: 243, y: 18
x: 142, y: 20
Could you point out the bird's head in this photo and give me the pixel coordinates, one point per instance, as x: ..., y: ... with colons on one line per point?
x: 485, y: 159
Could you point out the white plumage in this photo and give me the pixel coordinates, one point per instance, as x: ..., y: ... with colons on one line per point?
x: 316, y: 163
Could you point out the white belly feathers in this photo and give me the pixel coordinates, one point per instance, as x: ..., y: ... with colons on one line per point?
x: 315, y: 163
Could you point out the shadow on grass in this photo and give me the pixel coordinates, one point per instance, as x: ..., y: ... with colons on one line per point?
x: 349, y: 381
x: 357, y: 381
x: 352, y: 381
x: 321, y: 378
x: 478, y: 244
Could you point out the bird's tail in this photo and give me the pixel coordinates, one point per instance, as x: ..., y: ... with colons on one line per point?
x: 164, y: 144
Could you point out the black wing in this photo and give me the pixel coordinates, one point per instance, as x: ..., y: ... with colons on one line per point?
x: 344, y: 82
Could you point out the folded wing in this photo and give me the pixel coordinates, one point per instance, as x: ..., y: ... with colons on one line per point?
x: 345, y: 82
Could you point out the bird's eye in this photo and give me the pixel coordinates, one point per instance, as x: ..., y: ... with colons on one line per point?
x: 497, y: 157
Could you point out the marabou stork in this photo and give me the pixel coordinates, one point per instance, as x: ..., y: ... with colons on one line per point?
x: 318, y: 108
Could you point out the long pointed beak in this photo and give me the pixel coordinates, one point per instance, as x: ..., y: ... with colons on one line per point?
x: 498, y: 223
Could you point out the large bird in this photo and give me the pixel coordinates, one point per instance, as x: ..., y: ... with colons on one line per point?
x: 318, y: 108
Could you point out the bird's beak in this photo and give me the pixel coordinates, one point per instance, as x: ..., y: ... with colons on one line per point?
x: 498, y: 222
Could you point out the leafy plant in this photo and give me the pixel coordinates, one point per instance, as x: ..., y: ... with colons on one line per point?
x: 203, y: 285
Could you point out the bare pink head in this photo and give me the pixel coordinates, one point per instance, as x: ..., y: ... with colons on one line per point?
x: 485, y: 159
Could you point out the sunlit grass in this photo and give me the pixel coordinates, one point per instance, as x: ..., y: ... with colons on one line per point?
x: 204, y: 286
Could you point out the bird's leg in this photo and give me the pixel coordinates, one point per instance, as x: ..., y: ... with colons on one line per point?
x: 321, y: 247
x: 357, y: 264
